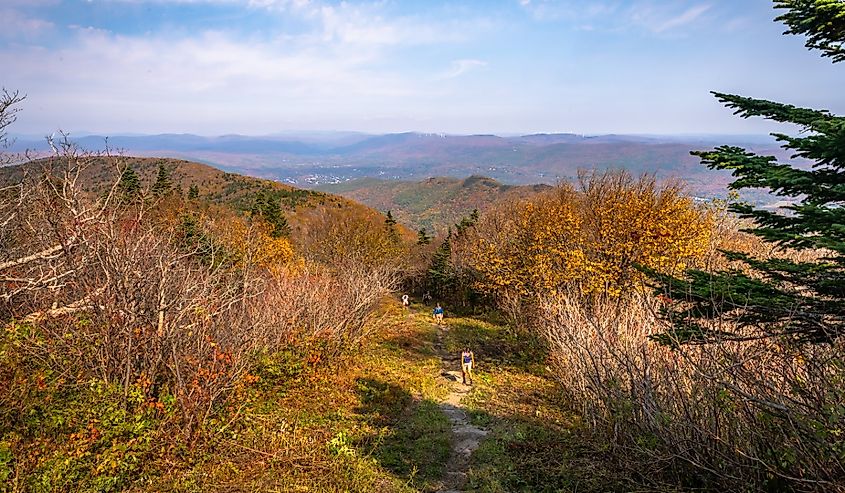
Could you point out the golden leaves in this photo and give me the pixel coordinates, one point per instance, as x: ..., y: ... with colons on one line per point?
x: 254, y: 245
x: 591, y: 237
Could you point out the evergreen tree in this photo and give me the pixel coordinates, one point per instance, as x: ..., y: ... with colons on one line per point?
x: 259, y: 203
x: 192, y: 238
x: 822, y: 21
x: 467, y: 222
x: 389, y: 221
x: 801, y: 300
x: 273, y: 214
x: 422, y: 237
x: 440, y: 277
x: 269, y: 210
x: 193, y: 192
x: 390, y: 224
x: 129, y: 186
x: 162, y: 185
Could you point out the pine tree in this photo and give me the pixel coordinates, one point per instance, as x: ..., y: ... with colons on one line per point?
x: 162, y: 185
x: 268, y: 209
x: 273, y: 214
x: 422, y: 237
x: 440, y: 277
x: 822, y: 21
x: 388, y: 220
x: 193, y: 192
x: 390, y: 224
x: 467, y: 222
x: 259, y: 203
x: 129, y: 186
x: 801, y: 300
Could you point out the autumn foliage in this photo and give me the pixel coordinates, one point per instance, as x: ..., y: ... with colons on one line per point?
x: 157, y: 310
x: 592, y: 236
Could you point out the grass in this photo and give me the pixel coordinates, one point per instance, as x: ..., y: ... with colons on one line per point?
x: 417, y: 449
x: 496, y: 345
x: 534, y: 444
x: 368, y: 423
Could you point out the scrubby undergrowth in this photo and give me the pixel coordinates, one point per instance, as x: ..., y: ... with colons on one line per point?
x: 362, y: 422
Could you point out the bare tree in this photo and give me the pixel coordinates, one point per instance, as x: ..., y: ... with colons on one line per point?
x: 9, y: 102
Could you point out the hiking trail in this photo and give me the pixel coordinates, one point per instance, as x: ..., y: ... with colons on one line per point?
x: 466, y: 437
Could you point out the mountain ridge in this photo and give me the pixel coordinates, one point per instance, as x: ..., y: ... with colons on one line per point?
x: 317, y: 160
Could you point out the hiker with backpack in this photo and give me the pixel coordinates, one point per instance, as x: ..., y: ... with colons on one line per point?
x: 438, y: 314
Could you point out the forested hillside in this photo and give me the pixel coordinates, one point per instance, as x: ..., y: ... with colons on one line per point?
x: 200, y: 182
x: 433, y: 204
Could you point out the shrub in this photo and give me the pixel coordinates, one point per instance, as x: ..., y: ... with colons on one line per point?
x: 761, y: 414
x: 145, y: 317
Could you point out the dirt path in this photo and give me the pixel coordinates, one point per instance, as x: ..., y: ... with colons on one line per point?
x: 465, y: 436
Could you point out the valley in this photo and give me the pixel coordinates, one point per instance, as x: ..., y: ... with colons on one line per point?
x: 334, y: 158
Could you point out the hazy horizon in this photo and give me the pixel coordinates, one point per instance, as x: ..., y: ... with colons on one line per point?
x: 313, y: 133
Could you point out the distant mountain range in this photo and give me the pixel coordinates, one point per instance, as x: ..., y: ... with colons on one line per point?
x: 316, y: 159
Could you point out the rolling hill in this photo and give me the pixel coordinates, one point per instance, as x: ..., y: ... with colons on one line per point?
x: 434, y: 203
x: 315, y: 160
x: 215, y: 186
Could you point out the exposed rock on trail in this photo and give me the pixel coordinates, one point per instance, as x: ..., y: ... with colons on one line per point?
x: 466, y: 437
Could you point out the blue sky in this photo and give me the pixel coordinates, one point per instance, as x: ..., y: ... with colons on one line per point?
x: 512, y: 66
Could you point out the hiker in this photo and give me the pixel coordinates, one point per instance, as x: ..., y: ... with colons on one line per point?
x: 467, y: 362
x: 426, y: 298
x: 438, y: 314
x: 406, y: 302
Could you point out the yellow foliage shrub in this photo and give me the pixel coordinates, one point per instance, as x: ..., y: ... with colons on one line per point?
x: 591, y: 237
x: 252, y: 244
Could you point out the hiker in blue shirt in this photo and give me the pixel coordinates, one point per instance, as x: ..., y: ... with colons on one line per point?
x: 438, y: 314
x: 467, y: 362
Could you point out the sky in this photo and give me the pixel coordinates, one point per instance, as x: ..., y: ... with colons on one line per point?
x: 261, y: 67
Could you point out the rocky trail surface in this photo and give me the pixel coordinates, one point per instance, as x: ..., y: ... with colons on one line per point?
x: 466, y: 437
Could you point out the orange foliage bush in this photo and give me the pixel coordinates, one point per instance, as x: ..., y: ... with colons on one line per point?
x: 253, y: 245
x: 177, y: 299
x: 339, y: 237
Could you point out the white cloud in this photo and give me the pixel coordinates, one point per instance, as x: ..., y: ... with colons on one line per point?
x: 338, y: 62
x: 249, y: 3
x: 107, y: 82
x: 570, y: 10
x: 15, y: 24
x: 282, y: 4
x: 365, y: 24
x: 29, y: 3
x: 460, y: 67
x: 688, y: 16
x: 614, y: 15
